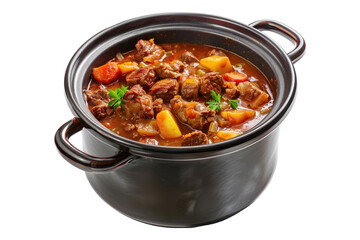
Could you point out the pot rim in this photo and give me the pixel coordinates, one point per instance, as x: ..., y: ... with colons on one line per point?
x: 115, y: 139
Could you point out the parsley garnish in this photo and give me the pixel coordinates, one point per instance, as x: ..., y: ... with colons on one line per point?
x: 118, y: 95
x: 215, y: 103
x: 233, y: 103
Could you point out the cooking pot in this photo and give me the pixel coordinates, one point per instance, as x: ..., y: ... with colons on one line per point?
x: 180, y: 186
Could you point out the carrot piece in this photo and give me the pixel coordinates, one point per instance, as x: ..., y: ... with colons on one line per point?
x: 106, y: 73
x: 167, y: 125
x: 128, y: 67
x: 235, y: 77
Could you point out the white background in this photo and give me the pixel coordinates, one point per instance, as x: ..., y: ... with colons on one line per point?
x: 315, y: 192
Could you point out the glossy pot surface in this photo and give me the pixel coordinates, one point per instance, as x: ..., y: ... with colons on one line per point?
x: 180, y: 186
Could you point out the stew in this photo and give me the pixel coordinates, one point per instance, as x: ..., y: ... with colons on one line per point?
x: 178, y: 94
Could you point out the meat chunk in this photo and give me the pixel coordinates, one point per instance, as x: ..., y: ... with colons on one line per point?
x: 158, y: 106
x: 177, y: 66
x: 150, y: 141
x: 98, y: 97
x: 148, y: 51
x: 231, y: 92
x: 165, y: 89
x: 252, y: 94
x: 138, y: 104
x: 146, y: 77
x: 170, y: 70
x: 102, y: 111
x: 216, y: 52
x: 188, y: 57
x: 190, y: 88
x: 128, y: 127
x: 194, y: 139
x: 211, y: 81
x: 197, y: 115
x: 98, y: 101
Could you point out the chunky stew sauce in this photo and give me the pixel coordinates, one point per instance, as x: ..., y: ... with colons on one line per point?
x: 178, y: 94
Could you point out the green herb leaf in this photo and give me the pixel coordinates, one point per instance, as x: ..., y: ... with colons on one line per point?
x: 215, y: 96
x: 215, y: 103
x: 233, y: 103
x: 113, y: 94
x: 124, y: 89
x: 118, y: 95
x: 112, y: 102
x: 117, y: 104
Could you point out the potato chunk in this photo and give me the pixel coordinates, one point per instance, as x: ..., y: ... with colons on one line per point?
x: 227, y: 134
x: 167, y: 125
x: 128, y: 67
x: 238, y: 116
x: 147, y: 127
x: 220, y: 64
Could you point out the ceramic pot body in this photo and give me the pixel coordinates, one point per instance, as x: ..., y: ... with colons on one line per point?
x: 184, y: 193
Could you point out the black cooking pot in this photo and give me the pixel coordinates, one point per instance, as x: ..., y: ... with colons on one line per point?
x: 180, y: 186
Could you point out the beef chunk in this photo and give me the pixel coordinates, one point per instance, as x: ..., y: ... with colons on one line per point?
x: 177, y: 66
x: 190, y: 88
x: 151, y: 141
x: 102, y: 111
x: 158, y: 106
x: 170, y: 70
x: 216, y: 52
x: 231, y: 92
x: 188, y: 57
x: 165, y: 89
x: 138, y: 104
x: 197, y: 115
x: 211, y: 81
x: 98, y: 97
x: 252, y: 94
x: 128, y: 127
x: 98, y: 101
x: 146, y: 77
x: 194, y: 139
x: 148, y: 51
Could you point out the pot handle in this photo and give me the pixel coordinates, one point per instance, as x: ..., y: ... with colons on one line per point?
x: 285, y: 31
x: 80, y: 159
